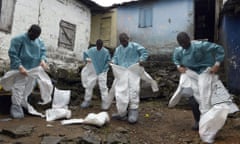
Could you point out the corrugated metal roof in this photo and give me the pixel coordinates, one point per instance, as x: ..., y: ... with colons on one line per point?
x: 133, y: 2
x: 94, y: 7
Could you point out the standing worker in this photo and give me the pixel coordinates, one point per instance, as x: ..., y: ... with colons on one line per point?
x: 99, y: 57
x: 127, y: 54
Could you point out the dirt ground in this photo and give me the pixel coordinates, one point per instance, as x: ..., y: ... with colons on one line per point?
x: 157, y: 125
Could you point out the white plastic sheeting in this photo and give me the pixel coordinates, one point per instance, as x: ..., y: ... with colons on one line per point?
x: 61, y: 98
x: 88, y: 75
x: 60, y: 103
x: 57, y: 113
x: 221, y: 104
x: 212, y: 121
x: 219, y: 92
x: 93, y: 119
x: 43, y: 80
x: 126, y: 86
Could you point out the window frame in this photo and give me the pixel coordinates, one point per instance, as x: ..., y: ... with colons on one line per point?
x: 145, y: 17
x: 65, y: 40
x: 7, y: 8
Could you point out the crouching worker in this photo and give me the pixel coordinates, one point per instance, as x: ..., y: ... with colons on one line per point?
x: 204, y: 58
x: 97, y: 59
x: 26, y: 52
x: 126, y: 56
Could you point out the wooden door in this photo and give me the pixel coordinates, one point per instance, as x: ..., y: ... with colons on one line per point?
x: 105, y: 30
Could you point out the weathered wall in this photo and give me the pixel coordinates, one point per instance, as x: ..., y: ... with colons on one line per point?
x: 169, y: 18
x: 48, y: 14
x: 52, y: 12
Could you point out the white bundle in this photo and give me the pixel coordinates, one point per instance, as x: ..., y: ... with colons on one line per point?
x: 59, y: 113
x: 94, y: 119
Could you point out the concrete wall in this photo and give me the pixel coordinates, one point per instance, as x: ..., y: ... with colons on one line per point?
x: 48, y: 14
x: 169, y: 18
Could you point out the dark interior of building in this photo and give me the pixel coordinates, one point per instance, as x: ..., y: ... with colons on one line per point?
x: 204, y: 19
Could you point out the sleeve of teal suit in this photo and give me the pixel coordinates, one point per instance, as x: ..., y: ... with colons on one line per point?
x: 14, y: 52
x: 43, y: 50
x: 115, y: 57
x: 215, y: 49
x: 85, y: 56
x: 143, y: 52
x: 177, y: 56
x: 108, y: 59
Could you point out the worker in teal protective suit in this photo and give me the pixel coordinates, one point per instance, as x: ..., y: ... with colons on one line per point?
x: 125, y: 55
x: 100, y: 57
x: 26, y: 51
x: 204, y: 58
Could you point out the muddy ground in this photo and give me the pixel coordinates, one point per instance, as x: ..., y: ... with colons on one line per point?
x: 157, y: 125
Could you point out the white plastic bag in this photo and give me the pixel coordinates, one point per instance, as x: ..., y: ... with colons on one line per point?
x: 61, y: 98
x: 60, y: 103
x: 97, y: 119
x: 59, y: 113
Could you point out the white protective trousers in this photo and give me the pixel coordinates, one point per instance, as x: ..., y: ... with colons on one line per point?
x: 126, y: 86
x: 208, y: 90
x: 215, y: 103
x: 22, y: 86
x: 205, y: 80
x: 89, y: 79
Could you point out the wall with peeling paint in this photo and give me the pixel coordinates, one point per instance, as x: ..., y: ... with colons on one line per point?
x: 230, y: 38
x: 48, y: 14
x: 169, y: 18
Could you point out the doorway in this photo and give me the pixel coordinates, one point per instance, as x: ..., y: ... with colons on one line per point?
x: 204, y: 19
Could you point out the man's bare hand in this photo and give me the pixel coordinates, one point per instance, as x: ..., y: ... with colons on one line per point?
x: 214, y: 69
x: 141, y: 63
x: 110, y: 63
x: 88, y: 60
x: 44, y: 65
x: 182, y: 69
x: 22, y: 70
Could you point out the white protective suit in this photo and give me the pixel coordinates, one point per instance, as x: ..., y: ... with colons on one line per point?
x: 126, y: 86
x: 22, y: 86
x: 214, y: 109
x: 89, y: 79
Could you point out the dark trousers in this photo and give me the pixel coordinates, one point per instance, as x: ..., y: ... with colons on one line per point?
x: 195, y: 108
